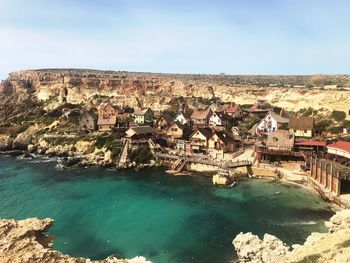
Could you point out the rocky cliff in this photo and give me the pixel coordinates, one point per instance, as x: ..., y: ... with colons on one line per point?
x: 25, y: 241
x: 333, y: 246
x: 159, y: 90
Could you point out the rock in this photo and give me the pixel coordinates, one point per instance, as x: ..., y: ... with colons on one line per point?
x: 15, y: 153
x: 25, y: 138
x: 32, y: 148
x: 25, y: 241
x: 5, y: 143
x: 331, y: 247
x: 84, y: 147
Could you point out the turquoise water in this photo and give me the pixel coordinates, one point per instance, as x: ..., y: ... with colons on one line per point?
x: 164, y: 218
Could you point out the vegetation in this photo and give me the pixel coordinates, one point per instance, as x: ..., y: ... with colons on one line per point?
x: 111, y: 142
x: 140, y: 155
x: 247, y: 124
x: 338, y: 115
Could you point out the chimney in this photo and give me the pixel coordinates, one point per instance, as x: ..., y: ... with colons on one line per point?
x: 281, y: 112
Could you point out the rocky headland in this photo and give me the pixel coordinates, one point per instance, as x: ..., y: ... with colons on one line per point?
x: 333, y: 246
x: 25, y: 241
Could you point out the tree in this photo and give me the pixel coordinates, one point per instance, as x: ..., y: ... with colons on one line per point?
x: 338, y: 115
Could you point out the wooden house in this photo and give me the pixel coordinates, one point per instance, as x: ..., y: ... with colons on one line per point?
x: 232, y: 109
x: 219, y: 119
x: 107, y: 117
x: 199, y: 140
x: 259, y: 108
x: 143, y: 116
x: 200, y: 117
x: 303, y: 127
x: 271, y: 122
x: 182, y: 118
x: 175, y: 130
x: 88, y: 121
x: 221, y: 144
x: 140, y: 133
x: 164, y: 121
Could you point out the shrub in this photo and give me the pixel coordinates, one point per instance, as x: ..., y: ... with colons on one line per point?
x: 140, y: 155
x: 338, y: 115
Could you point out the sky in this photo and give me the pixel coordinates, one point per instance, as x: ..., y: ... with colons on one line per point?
x: 231, y: 36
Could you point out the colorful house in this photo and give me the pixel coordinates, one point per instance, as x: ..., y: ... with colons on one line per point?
x: 200, y: 117
x: 219, y: 119
x: 107, y: 117
x: 221, y: 145
x: 175, y: 130
x: 303, y: 127
x: 88, y: 121
x: 199, y: 140
x: 143, y: 116
x: 182, y: 118
x: 271, y: 122
x: 232, y: 109
x: 164, y: 121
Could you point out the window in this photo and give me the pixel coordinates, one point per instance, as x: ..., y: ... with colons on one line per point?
x: 305, y: 131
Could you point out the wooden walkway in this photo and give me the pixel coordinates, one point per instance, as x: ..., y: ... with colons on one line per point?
x: 195, y: 159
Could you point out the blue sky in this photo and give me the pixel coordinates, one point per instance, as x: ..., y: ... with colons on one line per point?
x: 235, y: 37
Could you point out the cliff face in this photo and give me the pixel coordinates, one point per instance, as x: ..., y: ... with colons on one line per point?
x: 158, y: 90
x: 24, y: 241
x: 333, y: 246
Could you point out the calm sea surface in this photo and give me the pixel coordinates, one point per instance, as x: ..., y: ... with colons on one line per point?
x: 150, y: 213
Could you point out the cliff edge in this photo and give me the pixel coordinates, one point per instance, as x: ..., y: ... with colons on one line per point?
x: 333, y: 246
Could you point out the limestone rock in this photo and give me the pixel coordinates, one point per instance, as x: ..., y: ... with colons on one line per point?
x: 25, y: 241
x: 5, y: 143
x: 84, y: 147
x: 25, y: 138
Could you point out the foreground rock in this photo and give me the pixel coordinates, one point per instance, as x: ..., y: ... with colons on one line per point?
x: 333, y: 246
x: 24, y: 241
x: 5, y: 143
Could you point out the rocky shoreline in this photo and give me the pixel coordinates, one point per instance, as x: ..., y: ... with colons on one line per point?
x: 333, y: 246
x: 25, y: 241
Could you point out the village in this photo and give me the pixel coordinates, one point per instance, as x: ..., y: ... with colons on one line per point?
x: 211, y: 139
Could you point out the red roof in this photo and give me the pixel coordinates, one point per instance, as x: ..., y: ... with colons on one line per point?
x: 341, y: 145
x: 230, y: 108
x: 311, y: 143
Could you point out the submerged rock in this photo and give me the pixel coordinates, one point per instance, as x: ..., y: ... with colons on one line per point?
x: 25, y: 241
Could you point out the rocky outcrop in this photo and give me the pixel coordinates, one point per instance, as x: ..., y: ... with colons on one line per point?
x: 25, y: 241
x: 333, y: 246
x: 25, y: 138
x: 5, y: 143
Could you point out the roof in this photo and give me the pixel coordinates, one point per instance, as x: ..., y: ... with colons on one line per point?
x: 142, y: 129
x: 341, y: 145
x: 141, y: 111
x: 90, y: 113
x: 110, y: 120
x: 301, y: 123
x: 199, y: 114
x: 277, y: 117
x: 176, y: 123
x: 280, y: 139
x: 107, y: 104
x: 230, y: 108
x: 224, y: 136
x: 311, y: 143
x: 259, y: 106
x: 207, y: 132
x: 223, y: 116
x: 167, y: 117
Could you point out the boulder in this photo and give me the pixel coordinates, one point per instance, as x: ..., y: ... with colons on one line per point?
x: 5, y: 143
x: 25, y: 138
x: 84, y: 147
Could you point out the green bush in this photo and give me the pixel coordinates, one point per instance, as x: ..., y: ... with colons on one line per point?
x: 338, y: 115
x: 140, y: 155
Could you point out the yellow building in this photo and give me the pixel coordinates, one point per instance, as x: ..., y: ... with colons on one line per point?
x: 302, y: 126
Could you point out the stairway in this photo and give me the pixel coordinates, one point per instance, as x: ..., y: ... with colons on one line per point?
x: 124, y: 155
